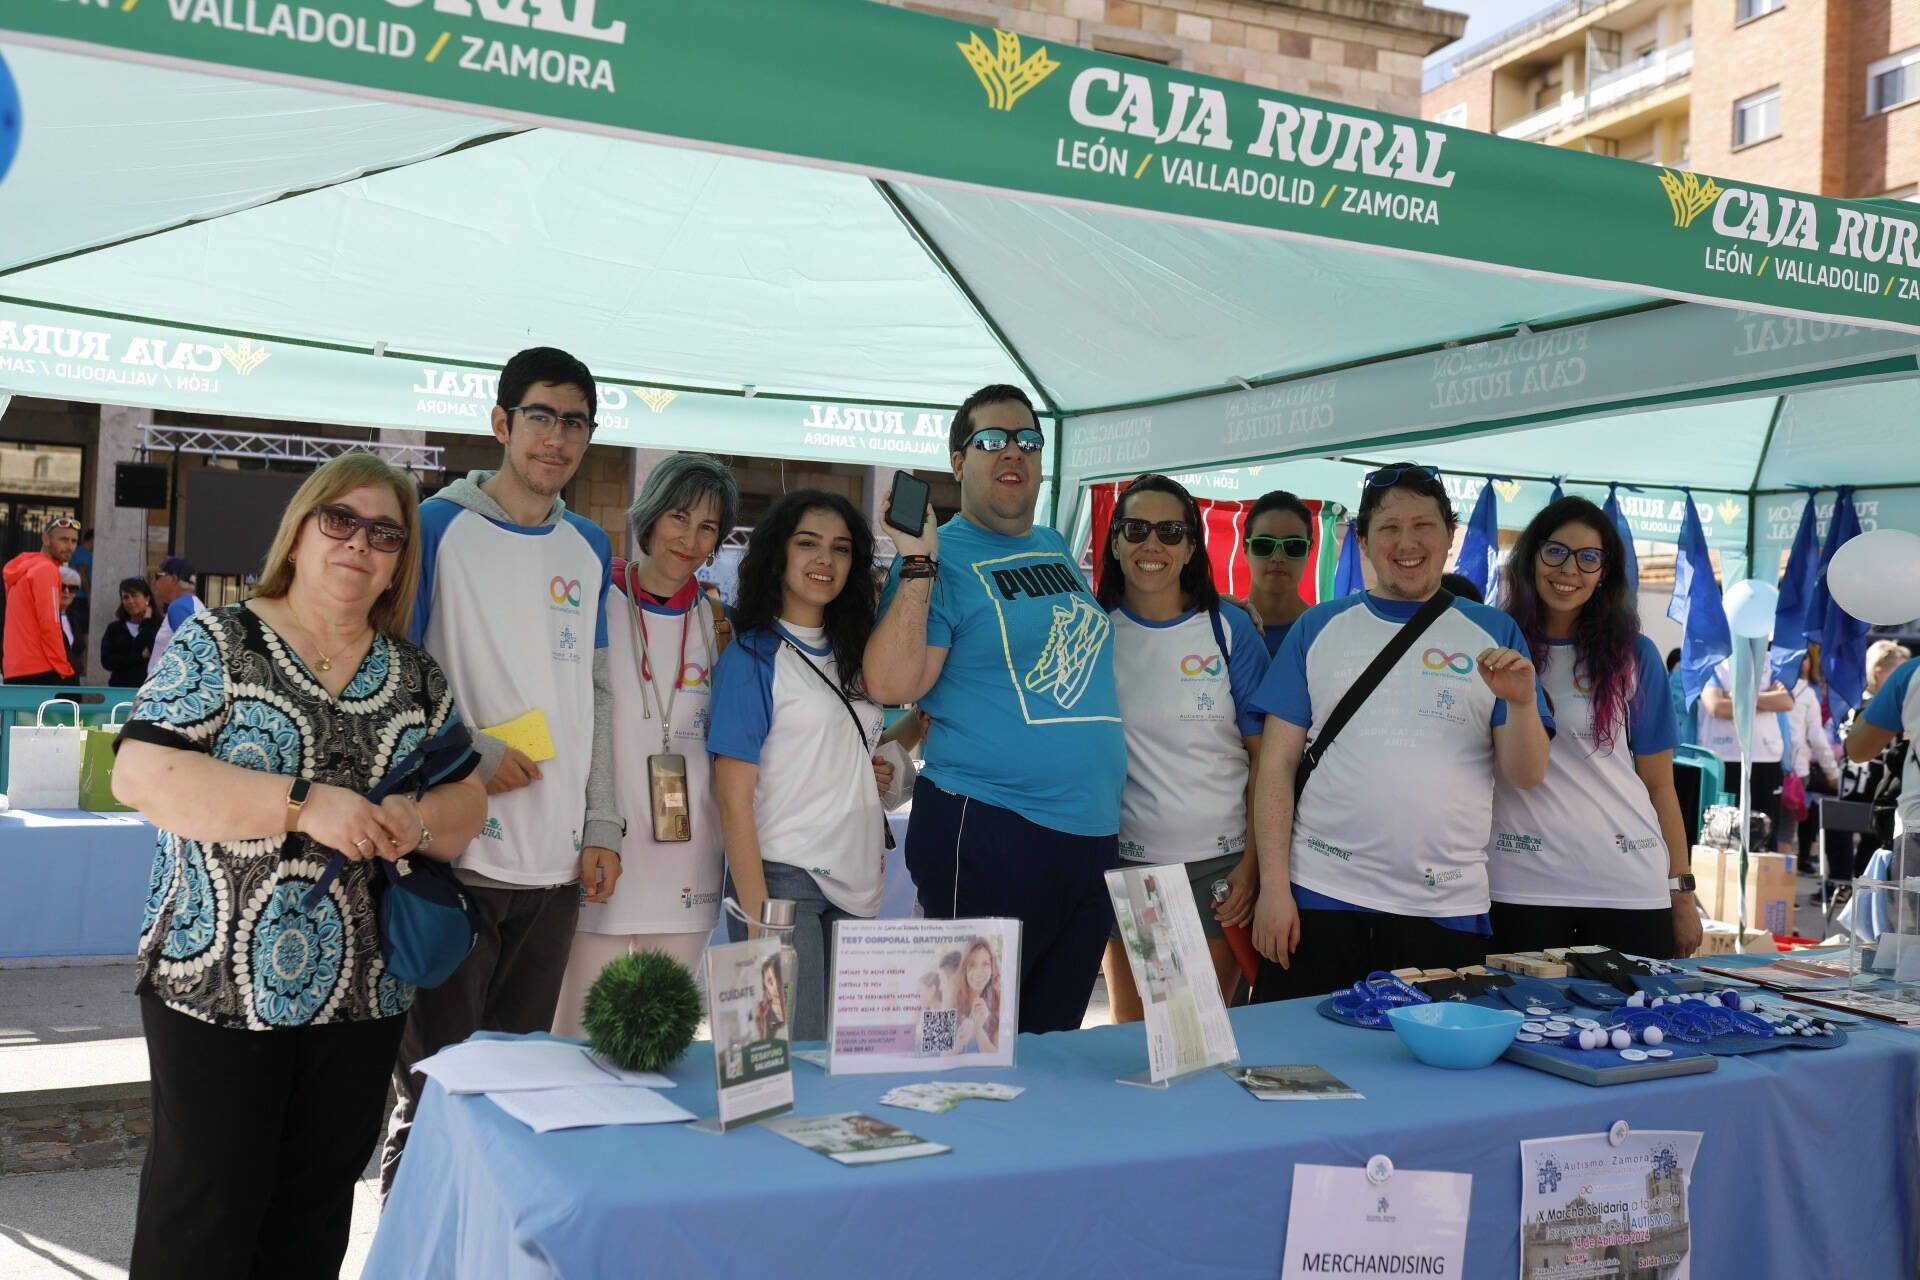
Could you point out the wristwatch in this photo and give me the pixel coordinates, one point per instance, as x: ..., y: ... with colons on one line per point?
x: 297, y: 800
x: 1680, y: 884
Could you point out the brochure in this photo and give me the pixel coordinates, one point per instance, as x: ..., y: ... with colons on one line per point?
x: 1187, y: 1027
x: 939, y: 1097
x: 852, y: 1138
x: 1589, y: 1207
x: 1781, y: 976
x: 748, y: 990
x: 588, y: 1106
x: 1290, y: 1083
x: 923, y: 995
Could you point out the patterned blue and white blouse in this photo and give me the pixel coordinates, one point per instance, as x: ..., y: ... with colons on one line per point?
x: 225, y: 938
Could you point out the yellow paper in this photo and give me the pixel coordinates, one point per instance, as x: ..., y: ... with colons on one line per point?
x: 528, y: 733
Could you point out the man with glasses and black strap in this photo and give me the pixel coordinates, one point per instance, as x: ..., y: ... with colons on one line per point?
x: 989, y: 626
x: 174, y: 595
x: 1411, y: 699
x: 512, y: 603
x: 34, y: 648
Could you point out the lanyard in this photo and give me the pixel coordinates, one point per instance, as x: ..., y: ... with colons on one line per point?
x: 649, y: 693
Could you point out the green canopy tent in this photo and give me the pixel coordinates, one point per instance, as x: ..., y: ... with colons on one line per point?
x: 808, y: 228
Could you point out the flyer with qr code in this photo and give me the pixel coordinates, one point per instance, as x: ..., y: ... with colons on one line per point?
x: 923, y: 995
x: 1187, y: 1027
x: 749, y: 1002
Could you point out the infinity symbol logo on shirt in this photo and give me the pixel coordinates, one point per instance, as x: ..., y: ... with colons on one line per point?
x: 1441, y: 660
x: 693, y: 676
x: 1195, y: 665
x: 564, y: 591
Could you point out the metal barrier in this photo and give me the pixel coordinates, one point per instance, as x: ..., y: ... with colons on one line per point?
x: 20, y: 704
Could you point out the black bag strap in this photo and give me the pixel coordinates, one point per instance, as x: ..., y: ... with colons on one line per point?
x: 1369, y: 680
x: 859, y: 730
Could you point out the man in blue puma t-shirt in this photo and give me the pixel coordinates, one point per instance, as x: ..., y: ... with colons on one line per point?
x: 1001, y: 642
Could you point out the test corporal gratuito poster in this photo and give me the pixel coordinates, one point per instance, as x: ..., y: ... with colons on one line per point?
x: 1590, y: 1210
x: 923, y: 995
x: 749, y: 1008
x: 1187, y: 1027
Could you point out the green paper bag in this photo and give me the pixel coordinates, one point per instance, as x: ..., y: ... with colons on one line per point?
x: 96, y: 766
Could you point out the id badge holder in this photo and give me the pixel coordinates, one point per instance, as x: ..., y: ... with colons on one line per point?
x: 667, y: 786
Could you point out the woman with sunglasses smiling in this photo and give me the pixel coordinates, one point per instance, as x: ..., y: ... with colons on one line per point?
x: 1597, y: 853
x: 1185, y: 665
x: 1278, y: 540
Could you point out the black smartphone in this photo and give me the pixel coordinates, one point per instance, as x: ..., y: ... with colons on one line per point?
x: 907, y: 506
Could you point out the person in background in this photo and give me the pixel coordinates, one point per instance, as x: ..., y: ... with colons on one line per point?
x: 513, y: 603
x: 173, y: 591
x: 1278, y: 539
x: 1383, y: 862
x: 1186, y: 666
x: 1810, y: 745
x: 1462, y: 587
x: 34, y: 647
x: 1596, y: 854
x: 271, y: 1025
x: 1880, y: 768
x: 663, y: 639
x: 794, y: 734
x: 69, y: 592
x: 1767, y: 748
x: 82, y: 563
x: 1685, y: 725
x: 126, y: 645
x: 1017, y: 812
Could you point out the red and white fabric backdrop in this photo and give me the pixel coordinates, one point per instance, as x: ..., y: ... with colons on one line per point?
x: 1226, y: 526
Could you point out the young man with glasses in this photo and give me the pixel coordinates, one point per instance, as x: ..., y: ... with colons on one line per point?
x: 1279, y: 538
x: 33, y: 649
x: 512, y: 603
x: 1382, y: 865
x: 175, y: 597
x: 989, y: 626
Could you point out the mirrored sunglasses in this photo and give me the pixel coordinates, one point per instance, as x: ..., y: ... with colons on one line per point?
x: 994, y: 439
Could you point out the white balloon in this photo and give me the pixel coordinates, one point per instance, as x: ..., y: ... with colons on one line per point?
x: 1876, y: 577
x: 1750, y: 604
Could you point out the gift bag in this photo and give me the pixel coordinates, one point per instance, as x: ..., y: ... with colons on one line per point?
x: 96, y: 764
x: 43, y: 761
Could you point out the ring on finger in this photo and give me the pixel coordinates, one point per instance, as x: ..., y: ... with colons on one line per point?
x: 361, y: 843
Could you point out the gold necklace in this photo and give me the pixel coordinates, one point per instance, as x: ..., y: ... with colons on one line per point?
x: 326, y: 660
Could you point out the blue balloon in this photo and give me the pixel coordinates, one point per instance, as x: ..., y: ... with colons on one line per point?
x: 1750, y: 606
x: 9, y: 118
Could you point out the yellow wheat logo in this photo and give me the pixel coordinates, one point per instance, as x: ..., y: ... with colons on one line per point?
x: 654, y: 398
x: 245, y: 357
x: 1507, y: 489
x: 1729, y: 510
x: 1689, y: 196
x: 1253, y: 471
x: 1004, y: 75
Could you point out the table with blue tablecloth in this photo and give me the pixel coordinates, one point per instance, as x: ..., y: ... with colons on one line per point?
x: 1810, y: 1167
x: 72, y: 883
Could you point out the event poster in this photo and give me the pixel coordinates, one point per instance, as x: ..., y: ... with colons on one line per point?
x: 1591, y: 1210
x: 1343, y: 1222
x: 749, y: 993
x: 1187, y: 1027
x: 923, y: 995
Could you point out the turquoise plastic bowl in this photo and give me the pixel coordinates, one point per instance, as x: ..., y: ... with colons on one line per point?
x: 1454, y: 1035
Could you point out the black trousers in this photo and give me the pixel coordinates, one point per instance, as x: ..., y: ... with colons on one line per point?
x: 1649, y: 933
x: 1339, y: 948
x: 51, y: 678
x: 970, y: 858
x: 258, y: 1139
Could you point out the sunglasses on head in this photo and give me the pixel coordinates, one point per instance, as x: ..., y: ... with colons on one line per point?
x: 1388, y: 476
x: 341, y: 523
x: 63, y: 522
x: 1170, y: 532
x: 1554, y: 554
x: 1263, y: 547
x: 994, y: 439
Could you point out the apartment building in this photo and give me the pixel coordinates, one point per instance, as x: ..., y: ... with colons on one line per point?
x: 1810, y: 95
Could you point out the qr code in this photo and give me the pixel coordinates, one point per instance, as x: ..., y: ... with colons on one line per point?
x: 937, y: 1029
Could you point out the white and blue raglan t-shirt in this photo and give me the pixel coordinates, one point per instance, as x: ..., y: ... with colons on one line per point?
x: 1588, y: 836
x: 1024, y: 712
x: 514, y: 613
x: 1186, y: 707
x: 1896, y: 707
x: 1722, y: 737
x: 815, y: 803
x: 1397, y: 815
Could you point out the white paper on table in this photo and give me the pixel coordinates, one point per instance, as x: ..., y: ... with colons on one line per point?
x: 492, y: 1066
x: 1186, y: 1020
x: 585, y: 1106
x: 1339, y: 1218
x: 1585, y: 1202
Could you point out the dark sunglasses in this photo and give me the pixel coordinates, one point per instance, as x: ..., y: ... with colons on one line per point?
x: 341, y: 523
x: 1263, y: 547
x: 1554, y: 554
x: 1170, y: 532
x: 994, y: 439
x: 1388, y: 476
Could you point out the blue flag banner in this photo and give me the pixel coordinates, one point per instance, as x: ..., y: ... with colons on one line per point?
x: 1705, y: 640
x: 1619, y: 518
x: 1558, y: 492
x: 1792, y: 622
x: 1346, y: 574
x: 1479, y: 558
x: 1843, y: 637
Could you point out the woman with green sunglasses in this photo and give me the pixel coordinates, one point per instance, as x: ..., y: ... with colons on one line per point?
x: 1278, y: 539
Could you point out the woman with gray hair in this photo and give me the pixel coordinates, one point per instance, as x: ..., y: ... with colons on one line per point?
x: 663, y: 637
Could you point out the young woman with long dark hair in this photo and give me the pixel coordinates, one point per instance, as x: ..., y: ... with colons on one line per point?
x: 1595, y: 854
x: 1186, y: 665
x: 794, y: 733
